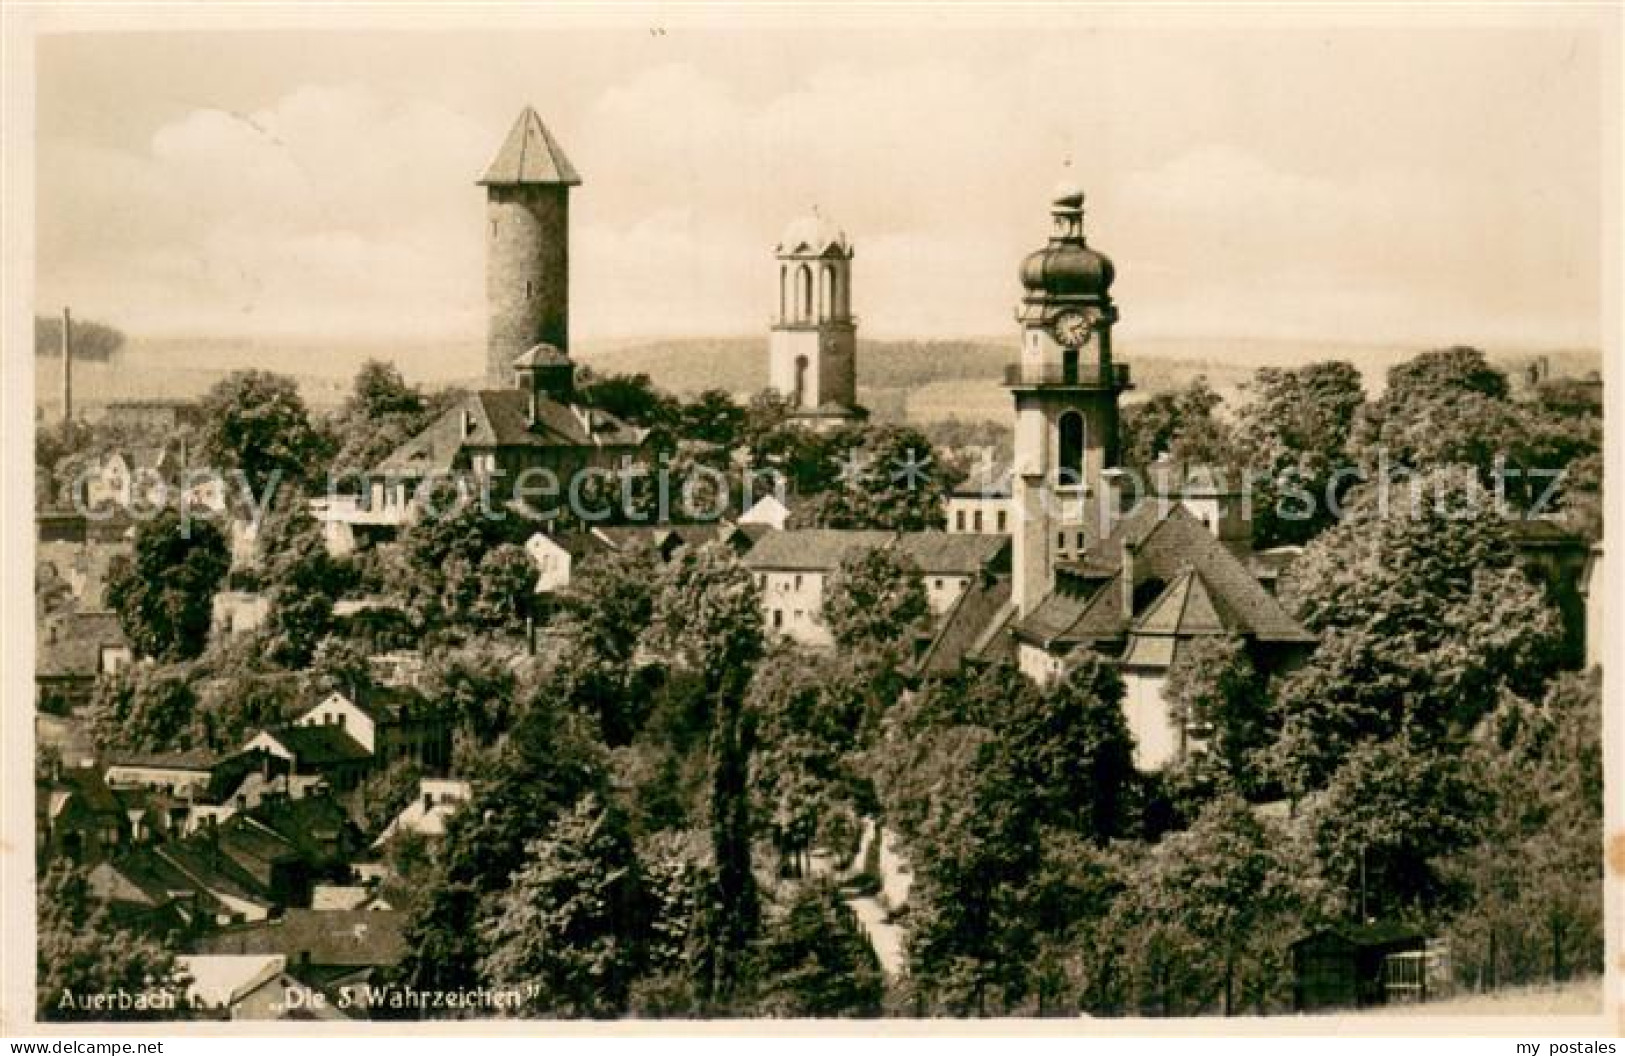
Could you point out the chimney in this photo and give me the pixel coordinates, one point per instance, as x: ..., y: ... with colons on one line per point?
x: 67, y: 366
x: 1127, y: 576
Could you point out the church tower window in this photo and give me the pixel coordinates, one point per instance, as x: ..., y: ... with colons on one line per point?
x: 1070, y: 468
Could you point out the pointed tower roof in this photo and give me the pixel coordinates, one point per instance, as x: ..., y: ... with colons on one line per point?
x: 530, y: 154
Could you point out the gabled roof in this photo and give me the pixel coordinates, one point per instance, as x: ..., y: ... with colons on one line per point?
x: 976, y: 617
x: 1186, y: 607
x: 812, y: 549
x: 499, y: 418
x: 319, y: 745
x: 946, y: 553
x: 530, y: 155
x: 337, y: 937
x: 197, y: 759
x: 1168, y: 542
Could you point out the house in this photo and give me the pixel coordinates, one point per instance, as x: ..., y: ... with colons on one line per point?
x: 75, y: 649
x: 324, y: 750
x: 77, y: 552
x: 980, y: 503
x: 1356, y: 966
x: 238, y: 612
x: 791, y: 569
x: 163, y: 417
x: 533, y: 433
x: 129, y: 479
x: 555, y: 557
x: 950, y: 563
x: 769, y: 512
x: 438, y: 799
x: 388, y: 723
x: 1160, y: 579
x: 250, y: 987
x: 149, y: 890
x: 668, y: 540
x: 77, y: 816
x: 186, y: 775
x: 325, y: 948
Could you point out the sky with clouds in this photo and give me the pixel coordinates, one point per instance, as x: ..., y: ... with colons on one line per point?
x: 1420, y: 183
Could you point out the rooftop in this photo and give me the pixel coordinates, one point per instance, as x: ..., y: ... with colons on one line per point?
x: 530, y: 155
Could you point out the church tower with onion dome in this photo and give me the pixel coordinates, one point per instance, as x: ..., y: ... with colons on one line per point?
x: 527, y: 247
x: 1065, y: 387
x: 812, y: 353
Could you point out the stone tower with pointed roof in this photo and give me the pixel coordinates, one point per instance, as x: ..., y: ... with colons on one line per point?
x: 812, y: 354
x: 527, y: 246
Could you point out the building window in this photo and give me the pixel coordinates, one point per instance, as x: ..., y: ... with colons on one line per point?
x: 959, y: 520
x: 1071, y: 462
x: 1080, y: 540
x: 1060, y: 541
x: 1001, y: 522
x: 804, y: 293
x: 778, y: 618
x: 940, y: 584
x: 978, y: 520
x: 826, y: 293
x: 798, y: 582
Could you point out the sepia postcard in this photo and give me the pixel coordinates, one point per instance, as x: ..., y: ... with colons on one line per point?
x: 811, y: 520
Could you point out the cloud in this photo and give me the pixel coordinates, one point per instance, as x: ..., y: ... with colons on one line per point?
x: 1245, y: 184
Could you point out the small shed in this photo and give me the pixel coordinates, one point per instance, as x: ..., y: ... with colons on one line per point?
x: 1349, y: 966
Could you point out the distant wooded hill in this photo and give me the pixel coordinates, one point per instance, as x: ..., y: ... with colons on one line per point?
x: 91, y: 340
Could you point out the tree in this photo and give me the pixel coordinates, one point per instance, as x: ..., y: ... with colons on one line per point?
x: 91, y: 340
x: 813, y: 961
x: 387, y: 792
x: 474, y: 686
x: 1528, y: 890
x: 709, y: 618
x: 507, y: 588
x: 1295, y: 431
x: 255, y: 422
x: 164, y: 597
x: 381, y: 413
x: 571, y: 923
x: 876, y: 597
x: 714, y: 417
x: 1422, y: 619
x: 1209, y: 913
x: 612, y: 600
x: 892, y: 480
x: 1182, y: 425
x: 443, y: 551
x: 302, y: 580
x: 1390, y: 813
x: 549, y: 762
x: 1213, y: 687
x: 1066, y: 755
x: 143, y: 709
x: 81, y: 955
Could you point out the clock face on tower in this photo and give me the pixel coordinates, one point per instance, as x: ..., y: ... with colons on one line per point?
x: 1073, y: 329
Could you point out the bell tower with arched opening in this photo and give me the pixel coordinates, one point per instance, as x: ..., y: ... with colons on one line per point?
x: 812, y: 353
x: 1065, y: 387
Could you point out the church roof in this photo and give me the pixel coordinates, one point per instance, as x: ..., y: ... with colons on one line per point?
x: 1209, y: 590
x: 813, y: 235
x: 530, y: 155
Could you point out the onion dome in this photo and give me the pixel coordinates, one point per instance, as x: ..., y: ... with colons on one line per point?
x: 1067, y: 267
